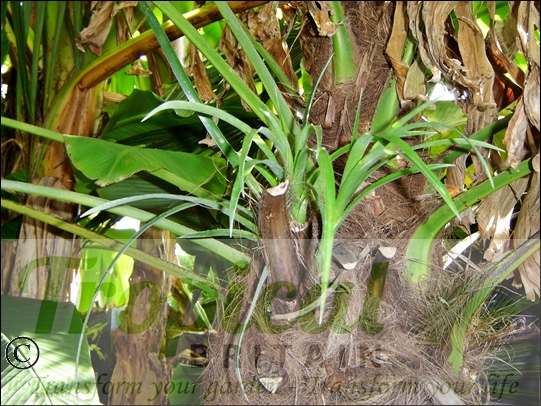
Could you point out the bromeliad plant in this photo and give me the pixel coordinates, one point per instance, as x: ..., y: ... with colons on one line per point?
x: 284, y: 157
x: 283, y: 161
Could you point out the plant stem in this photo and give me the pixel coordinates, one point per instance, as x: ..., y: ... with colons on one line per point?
x: 417, y: 258
x: 344, y: 68
x: 374, y: 292
x: 211, y: 244
x: 104, y: 241
x: 32, y: 129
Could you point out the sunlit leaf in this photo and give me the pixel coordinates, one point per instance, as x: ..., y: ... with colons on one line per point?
x: 111, y: 162
x: 55, y: 328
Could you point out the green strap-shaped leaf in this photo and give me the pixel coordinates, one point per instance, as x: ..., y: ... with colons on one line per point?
x: 408, y: 153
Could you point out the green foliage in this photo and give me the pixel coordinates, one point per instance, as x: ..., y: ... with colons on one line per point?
x: 4, y: 38
x: 94, y: 263
x: 148, y: 162
x: 56, y: 329
x: 187, y: 391
x: 192, y: 173
x: 417, y: 258
x: 311, y: 186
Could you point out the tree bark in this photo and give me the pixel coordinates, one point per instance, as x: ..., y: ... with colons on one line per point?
x: 138, y: 341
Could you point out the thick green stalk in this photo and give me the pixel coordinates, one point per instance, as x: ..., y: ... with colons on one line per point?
x: 417, y: 258
x: 344, y: 68
x: 326, y: 203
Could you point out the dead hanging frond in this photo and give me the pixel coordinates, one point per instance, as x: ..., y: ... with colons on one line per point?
x: 97, y: 31
x: 202, y: 82
x: 125, y: 11
x: 527, y: 16
x: 395, y: 48
x: 453, y: 48
x: 527, y: 274
x: 137, y: 69
x: 95, y: 34
x: 494, y: 218
x: 238, y: 60
x: 458, y: 55
x: 265, y: 27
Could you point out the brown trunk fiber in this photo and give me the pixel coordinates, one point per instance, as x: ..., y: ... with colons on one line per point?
x: 139, y: 368
x: 49, y: 248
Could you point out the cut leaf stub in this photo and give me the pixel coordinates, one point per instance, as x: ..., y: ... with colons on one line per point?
x: 271, y: 372
x: 344, y: 257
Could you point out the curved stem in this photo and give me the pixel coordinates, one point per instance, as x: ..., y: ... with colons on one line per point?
x: 417, y: 258
x: 105, y: 241
x: 212, y: 245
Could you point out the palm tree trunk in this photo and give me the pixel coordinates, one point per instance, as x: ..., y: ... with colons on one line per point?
x: 138, y: 340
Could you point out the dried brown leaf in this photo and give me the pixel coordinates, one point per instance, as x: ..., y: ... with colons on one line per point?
x: 113, y: 98
x: 128, y: 5
x: 531, y: 96
x: 395, y: 46
x: 515, y: 135
x: 208, y: 141
x: 264, y: 24
x: 414, y: 86
x: 124, y: 19
x: 478, y: 73
x: 535, y: 163
x: 277, y: 47
x: 138, y: 70
x: 265, y: 27
x: 307, y: 52
x: 237, y: 60
x: 527, y: 19
x: 319, y: 10
x: 506, y: 65
x: 494, y: 218
x: 100, y: 24
x: 454, y: 180
x: 375, y: 204
x: 506, y: 31
x: 460, y: 58
x: 427, y: 23
x: 202, y: 82
x: 528, y: 224
x: 95, y: 34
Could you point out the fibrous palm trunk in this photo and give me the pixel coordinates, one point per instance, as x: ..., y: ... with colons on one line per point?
x: 138, y: 341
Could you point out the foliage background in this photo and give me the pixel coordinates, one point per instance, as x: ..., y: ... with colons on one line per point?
x: 74, y: 68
